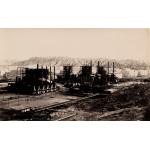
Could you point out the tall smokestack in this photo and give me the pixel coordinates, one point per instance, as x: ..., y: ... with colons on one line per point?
x: 50, y: 74
x: 54, y: 73
x: 37, y: 66
x: 91, y: 63
x: 108, y: 68
x: 113, y: 67
x: 98, y: 64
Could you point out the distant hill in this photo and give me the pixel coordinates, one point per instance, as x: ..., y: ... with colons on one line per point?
x: 60, y: 61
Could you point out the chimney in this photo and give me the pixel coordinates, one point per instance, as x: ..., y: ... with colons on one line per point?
x: 113, y: 67
x: 50, y: 74
x: 54, y: 73
x: 91, y: 63
x: 37, y: 66
x: 98, y: 64
x: 108, y: 68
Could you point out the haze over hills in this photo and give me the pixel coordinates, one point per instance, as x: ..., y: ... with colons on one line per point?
x: 123, y: 68
x: 7, y: 61
x: 60, y: 61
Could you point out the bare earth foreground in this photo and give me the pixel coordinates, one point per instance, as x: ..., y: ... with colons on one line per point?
x: 129, y: 103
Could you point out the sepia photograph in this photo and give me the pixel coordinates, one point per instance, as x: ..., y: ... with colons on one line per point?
x: 75, y: 74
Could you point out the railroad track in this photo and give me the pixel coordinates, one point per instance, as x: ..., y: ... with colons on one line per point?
x: 66, y: 117
x: 6, y: 98
x: 11, y: 98
x: 56, y: 105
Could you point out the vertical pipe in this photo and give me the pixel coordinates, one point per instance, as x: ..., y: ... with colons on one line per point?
x: 37, y: 73
x: 20, y: 72
x: 108, y: 68
x: 50, y: 74
x: 42, y: 74
x: 98, y: 67
x: 91, y: 67
x: 37, y: 66
x: 54, y: 78
x: 17, y: 71
x: 91, y: 63
x: 54, y: 73
x: 47, y: 72
x: 98, y: 64
x: 113, y: 67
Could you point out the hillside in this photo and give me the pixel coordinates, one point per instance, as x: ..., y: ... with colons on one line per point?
x: 60, y: 61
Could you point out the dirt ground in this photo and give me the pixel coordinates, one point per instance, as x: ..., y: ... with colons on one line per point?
x: 132, y: 103
x: 129, y: 104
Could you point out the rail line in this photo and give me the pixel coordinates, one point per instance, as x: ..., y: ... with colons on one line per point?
x: 69, y: 102
x: 66, y: 117
x: 11, y: 98
x: 57, y: 104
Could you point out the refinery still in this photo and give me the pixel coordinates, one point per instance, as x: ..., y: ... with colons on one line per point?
x: 87, y: 74
x: 94, y: 92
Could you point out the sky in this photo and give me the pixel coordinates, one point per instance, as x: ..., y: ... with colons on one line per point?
x: 22, y: 44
